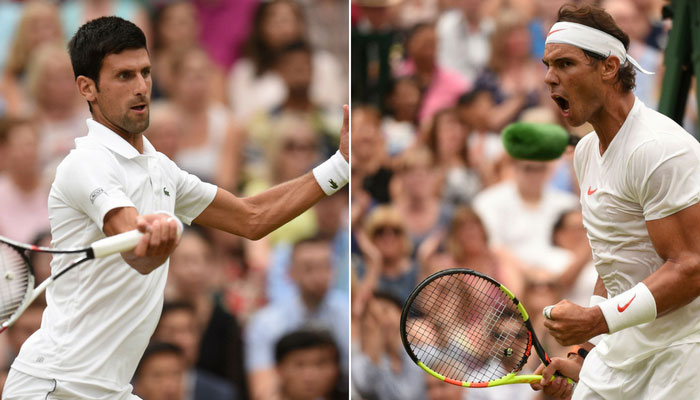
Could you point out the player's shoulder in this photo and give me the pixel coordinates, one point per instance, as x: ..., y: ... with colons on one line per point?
x: 86, y: 155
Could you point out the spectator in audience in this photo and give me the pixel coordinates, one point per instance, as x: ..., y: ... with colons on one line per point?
x: 463, y: 34
x: 294, y: 65
x: 520, y: 213
x: 39, y: 24
x: 161, y: 373
x: 386, y: 249
x: 447, y: 140
x: 315, y: 306
x: 513, y: 77
x: 178, y: 325
x: 441, y: 87
x: 210, y: 146
x: 20, y: 331
x: 631, y: 20
x: 254, y: 85
x: 58, y: 108
x: 371, y: 171
x: 24, y: 200
x: 416, y: 194
x: 381, y: 369
x: 164, y: 130
x: 308, y: 364
x: 192, y: 279
x: 399, y: 126
x: 224, y: 27
x: 435, y: 389
x: 376, y: 40
x: 484, y: 146
x: 74, y: 13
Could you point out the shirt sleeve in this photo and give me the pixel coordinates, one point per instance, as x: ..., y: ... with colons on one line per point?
x: 92, y: 183
x: 193, y: 195
x: 664, y: 176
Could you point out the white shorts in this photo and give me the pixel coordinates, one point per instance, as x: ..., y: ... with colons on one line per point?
x: 668, y: 374
x: 20, y: 386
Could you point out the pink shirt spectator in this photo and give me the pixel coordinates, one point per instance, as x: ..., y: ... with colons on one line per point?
x: 22, y: 215
x: 225, y: 27
x: 443, y: 92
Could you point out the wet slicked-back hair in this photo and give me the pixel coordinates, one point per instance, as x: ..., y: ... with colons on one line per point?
x: 99, y: 38
x: 597, y: 18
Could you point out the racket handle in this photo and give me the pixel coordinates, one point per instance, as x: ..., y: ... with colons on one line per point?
x: 116, y: 244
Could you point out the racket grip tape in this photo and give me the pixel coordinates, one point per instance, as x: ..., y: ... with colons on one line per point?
x: 116, y: 244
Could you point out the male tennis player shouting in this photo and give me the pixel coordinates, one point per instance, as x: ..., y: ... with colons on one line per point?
x: 639, y: 174
x: 101, y: 315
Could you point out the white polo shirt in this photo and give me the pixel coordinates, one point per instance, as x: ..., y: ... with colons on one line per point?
x: 101, y: 315
x: 650, y: 170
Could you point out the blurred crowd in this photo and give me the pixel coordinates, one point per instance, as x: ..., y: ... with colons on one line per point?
x: 246, y: 94
x: 433, y: 84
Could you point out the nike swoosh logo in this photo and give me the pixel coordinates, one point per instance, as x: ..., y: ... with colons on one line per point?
x: 621, y: 309
x: 554, y: 32
x: 590, y: 192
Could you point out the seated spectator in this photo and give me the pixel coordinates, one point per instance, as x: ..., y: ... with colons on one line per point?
x: 164, y: 130
x: 254, y: 85
x: 294, y: 65
x: 160, y: 374
x: 416, y: 194
x: 371, y: 171
x: 210, y: 146
x: 485, y: 149
x: 193, y: 279
x: 381, y: 368
x: 57, y: 107
x: 22, y: 329
x: 308, y: 364
x: 399, y: 126
x: 315, y: 306
x: 513, y: 77
x: 38, y: 24
x: 386, y: 254
x: 178, y: 325
x: 75, y: 13
x: 447, y: 140
x: 441, y: 87
x: 519, y: 213
x: 24, y: 210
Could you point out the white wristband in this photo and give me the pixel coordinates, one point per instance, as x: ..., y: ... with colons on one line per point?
x: 595, y: 300
x: 332, y: 174
x: 633, y: 307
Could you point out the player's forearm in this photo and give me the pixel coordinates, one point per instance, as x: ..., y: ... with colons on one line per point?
x: 256, y: 216
x: 676, y: 283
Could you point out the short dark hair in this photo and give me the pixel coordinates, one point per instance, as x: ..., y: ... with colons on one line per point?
x: 304, y: 339
x: 170, y: 306
x: 156, y: 348
x: 99, y: 38
x: 597, y: 18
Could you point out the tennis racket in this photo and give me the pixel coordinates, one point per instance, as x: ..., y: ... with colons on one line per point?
x: 467, y: 329
x: 17, y: 289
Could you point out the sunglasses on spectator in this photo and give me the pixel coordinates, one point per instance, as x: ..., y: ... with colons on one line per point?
x: 293, y: 145
x: 383, y: 230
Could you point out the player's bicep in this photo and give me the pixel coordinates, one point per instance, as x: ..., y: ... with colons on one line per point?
x: 677, y: 235
x: 119, y: 220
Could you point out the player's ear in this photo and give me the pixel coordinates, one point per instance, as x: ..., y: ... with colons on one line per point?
x: 87, y: 88
x: 611, y: 66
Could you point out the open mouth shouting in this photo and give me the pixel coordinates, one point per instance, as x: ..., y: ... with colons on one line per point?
x: 139, y: 108
x: 563, y: 104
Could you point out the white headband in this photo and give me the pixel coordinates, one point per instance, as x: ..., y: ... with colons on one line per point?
x: 591, y: 39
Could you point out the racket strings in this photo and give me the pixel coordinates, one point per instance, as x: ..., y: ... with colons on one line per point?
x: 465, y: 328
x: 15, y: 279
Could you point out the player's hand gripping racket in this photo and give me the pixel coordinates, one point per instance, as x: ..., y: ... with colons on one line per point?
x: 466, y: 329
x: 17, y: 289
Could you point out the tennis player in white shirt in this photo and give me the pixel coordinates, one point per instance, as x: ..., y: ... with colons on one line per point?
x: 639, y: 175
x: 101, y: 315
